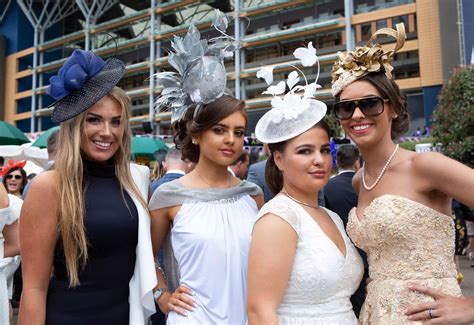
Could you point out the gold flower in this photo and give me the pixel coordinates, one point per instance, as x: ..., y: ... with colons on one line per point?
x: 365, y: 59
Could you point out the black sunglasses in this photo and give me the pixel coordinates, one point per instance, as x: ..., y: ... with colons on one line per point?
x: 13, y: 176
x: 370, y: 106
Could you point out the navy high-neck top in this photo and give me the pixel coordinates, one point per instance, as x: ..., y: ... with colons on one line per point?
x: 112, y: 234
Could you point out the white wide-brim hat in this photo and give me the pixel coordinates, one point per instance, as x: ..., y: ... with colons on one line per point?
x: 276, y: 126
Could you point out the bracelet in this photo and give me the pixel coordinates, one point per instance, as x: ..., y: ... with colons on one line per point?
x: 158, y: 293
x: 157, y: 266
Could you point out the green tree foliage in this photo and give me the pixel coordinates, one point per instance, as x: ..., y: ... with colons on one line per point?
x: 453, y: 118
x: 333, y: 124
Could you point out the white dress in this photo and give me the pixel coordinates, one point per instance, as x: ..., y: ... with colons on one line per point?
x: 8, y: 265
x: 208, y: 249
x: 322, y: 280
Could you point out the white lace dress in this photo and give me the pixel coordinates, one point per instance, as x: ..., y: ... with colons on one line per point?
x: 8, y: 265
x: 322, y: 280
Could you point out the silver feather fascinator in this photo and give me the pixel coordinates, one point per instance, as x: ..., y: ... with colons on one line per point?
x: 200, y: 76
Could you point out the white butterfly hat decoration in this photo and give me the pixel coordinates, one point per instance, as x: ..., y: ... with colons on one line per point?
x: 296, y: 111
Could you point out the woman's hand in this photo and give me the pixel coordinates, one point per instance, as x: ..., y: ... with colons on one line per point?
x: 444, y: 309
x: 178, y: 301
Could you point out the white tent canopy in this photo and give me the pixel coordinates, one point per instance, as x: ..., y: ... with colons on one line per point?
x: 35, y: 155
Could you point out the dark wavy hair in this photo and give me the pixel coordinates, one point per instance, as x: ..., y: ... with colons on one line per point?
x: 273, y: 175
x: 207, y: 116
x: 24, y: 179
x: 389, y: 89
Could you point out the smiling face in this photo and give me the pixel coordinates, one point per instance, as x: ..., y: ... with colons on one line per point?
x: 366, y: 130
x: 102, y: 130
x: 14, y: 182
x: 224, y: 141
x: 306, y: 161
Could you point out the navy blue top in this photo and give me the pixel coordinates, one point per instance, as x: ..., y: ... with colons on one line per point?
x: 112, y: 233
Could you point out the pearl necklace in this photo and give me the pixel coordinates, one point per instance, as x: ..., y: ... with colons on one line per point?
x: 368, y: 188
x: 300, y: 202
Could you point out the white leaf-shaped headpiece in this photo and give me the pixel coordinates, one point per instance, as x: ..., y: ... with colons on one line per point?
x: 296, y: 111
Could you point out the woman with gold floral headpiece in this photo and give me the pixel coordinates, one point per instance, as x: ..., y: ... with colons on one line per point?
x: 403, y: 217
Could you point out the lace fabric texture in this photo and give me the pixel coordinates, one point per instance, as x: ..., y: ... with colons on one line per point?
x: 405, y: 242
x: 322, y: 279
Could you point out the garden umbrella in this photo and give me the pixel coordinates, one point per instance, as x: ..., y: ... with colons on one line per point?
x: 25, y: 152
x: 11, y: 135
x: 42, y: 140
x: 146, y: 146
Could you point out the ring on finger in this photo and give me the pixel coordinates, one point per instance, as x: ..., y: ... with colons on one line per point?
x: 430, y: 313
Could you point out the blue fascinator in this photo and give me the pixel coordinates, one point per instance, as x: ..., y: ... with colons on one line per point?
x: 81, y: 82
x: 201, y: 76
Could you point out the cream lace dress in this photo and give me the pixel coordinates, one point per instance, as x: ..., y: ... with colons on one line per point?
x: 322, y: 280
x: 405, y: 242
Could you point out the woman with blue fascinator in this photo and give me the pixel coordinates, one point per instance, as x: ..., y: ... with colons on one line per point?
x: 403, y: 215
x: 85, y: 230
x: 303, y: 268
x: 204, y: 219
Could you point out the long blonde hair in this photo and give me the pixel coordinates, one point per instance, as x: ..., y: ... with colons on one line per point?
x: 71, y: 184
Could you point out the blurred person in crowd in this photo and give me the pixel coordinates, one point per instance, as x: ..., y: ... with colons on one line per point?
x: 459, y: 215
x: 158, y: 169
x: 14, y: 177
x: 85, y: 231
x: 302, y: 266
x: 340, y: 197
x: 51, y: 147
x: 240, y: 166
x: 10, y: 206
x: 403, y: 216
x: 256, y: 175
x: 174, y: 167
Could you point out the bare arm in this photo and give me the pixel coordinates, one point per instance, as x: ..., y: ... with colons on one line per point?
x: 4, y: 200
x: 259, y: 200
x: 444, y: 309
x: 38, y: 234
x: 271, y: 255
x: 10, y: 232
x: 180, y: 300
x: 446, y: 176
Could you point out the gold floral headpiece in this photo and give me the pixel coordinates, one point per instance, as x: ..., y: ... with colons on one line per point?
x: 363, y: 60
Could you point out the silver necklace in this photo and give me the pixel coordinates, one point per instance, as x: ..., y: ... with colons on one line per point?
x: 229, y: 179
x: 368, y: 188
x: 300, y: 202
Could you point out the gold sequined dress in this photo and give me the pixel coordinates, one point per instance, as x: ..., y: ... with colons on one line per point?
x: 405, y: 242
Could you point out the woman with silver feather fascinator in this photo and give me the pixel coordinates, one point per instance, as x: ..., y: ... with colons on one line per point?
x: 302, y: 266
x: 204, y: 219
